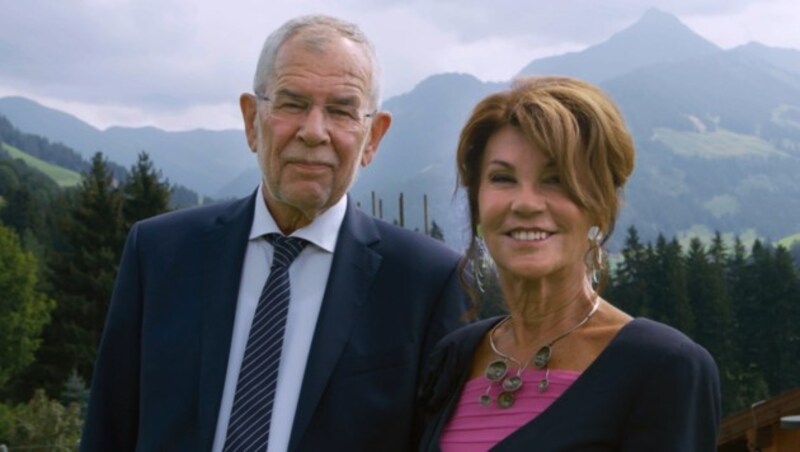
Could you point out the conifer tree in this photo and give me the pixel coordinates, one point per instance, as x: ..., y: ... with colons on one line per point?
x: 145, y: 192
x: 778, y: 294
x: 82, y: 278
x: 628, y: 287
x: 436, y: 231
x: 710, y: 302
x: 747, y: 376
x: 667, y: 286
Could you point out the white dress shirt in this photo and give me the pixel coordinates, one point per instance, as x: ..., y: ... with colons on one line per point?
x: 308, y: 276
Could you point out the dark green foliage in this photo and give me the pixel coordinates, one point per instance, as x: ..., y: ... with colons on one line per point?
x: 742, y: 307
x: 45, y: 424
x: 82, y: 277
x: 28, y: 195
x: 24, y: 310
x: 180, y: 197
x: 629, y: 288
x: 145, y: 193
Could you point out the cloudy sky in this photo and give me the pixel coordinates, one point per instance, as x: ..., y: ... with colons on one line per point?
x: 181, y: 64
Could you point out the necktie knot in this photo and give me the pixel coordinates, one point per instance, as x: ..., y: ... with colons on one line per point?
x: 286, y: 249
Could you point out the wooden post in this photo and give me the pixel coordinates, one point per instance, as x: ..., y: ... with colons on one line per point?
x: 400, y: 204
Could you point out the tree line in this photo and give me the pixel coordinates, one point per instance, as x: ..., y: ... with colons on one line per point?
x: 60, y: 248
x: 742, y: 304
x: 59, y: 253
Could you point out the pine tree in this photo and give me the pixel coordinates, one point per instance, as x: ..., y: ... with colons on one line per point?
x: 710, y: 302
x: 667, y: 286
x: 82, y: 278
x: 145, y: 192
x: 781, y: 295
x: 628, y: 287
x: 436, y: 232
x: 751, y: 328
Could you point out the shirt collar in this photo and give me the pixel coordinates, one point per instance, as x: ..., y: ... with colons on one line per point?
x: 323, y: 231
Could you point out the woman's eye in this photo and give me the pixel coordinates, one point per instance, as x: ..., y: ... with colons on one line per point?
x: 552, y: 180
x: 501, y: 178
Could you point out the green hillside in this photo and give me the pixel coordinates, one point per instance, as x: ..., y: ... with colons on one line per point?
x: 63, y: 177
x: 788, y: 241
x: 717, y: 144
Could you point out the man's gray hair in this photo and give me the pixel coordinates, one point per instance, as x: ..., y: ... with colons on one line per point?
x: 317, y: 31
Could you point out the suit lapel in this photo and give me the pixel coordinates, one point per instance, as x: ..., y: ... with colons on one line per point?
x: 224, y: 246
x: 353, y: 268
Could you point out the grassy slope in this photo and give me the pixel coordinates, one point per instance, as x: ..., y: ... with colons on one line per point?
x: 788, y: 241
x: 716, y: 144
x: 63, y: 177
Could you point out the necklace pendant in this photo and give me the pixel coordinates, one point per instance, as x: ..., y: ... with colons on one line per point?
x: 505, y: 400
x: 485, y: 399
x: 512, y: 384
x: 496, y: 370
x: 542, y: 358
x: 543, y: 384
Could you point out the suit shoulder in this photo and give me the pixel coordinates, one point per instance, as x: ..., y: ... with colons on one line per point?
x: 194, y: 217
x: 403, y: 241
x: 470, y: 333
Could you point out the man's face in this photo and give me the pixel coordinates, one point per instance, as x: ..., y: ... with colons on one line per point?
x: 308, y: 148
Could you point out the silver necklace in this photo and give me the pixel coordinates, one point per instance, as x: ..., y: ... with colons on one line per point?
x: 497, y: 370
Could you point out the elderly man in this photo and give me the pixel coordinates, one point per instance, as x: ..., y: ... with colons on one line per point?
x: 288, y: 320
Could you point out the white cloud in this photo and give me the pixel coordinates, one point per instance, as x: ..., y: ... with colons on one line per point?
x: 180, y: 64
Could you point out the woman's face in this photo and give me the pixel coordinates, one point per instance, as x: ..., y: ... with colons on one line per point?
x: 531, y: 226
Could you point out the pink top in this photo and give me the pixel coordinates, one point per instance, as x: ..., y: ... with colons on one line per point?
x: 474, y: 427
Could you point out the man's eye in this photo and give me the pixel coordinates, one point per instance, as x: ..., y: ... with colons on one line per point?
x: 341, y: 112
x: 290, y: 106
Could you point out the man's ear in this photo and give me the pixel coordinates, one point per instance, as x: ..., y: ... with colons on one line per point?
x: 380, y: 124
x: 247, y: 102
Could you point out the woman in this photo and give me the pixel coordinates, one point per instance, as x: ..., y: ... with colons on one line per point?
x: 543, y: 165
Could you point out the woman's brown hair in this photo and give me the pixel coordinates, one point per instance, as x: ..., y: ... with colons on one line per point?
x: 574, y: 124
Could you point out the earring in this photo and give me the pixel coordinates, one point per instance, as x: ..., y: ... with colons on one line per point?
x: 480, y: 260
x: 595, y: 263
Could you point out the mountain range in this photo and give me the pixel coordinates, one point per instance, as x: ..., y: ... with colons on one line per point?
x: 717, y: 134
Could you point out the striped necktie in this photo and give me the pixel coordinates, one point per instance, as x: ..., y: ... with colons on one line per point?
x: 248, y: 428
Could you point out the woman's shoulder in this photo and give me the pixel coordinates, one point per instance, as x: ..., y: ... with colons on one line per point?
x: 644, y: 340
x: 455, y: 350
x: 450, y: 360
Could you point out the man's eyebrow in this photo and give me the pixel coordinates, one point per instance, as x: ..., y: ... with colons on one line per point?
x: 346, y: 99
x: 289, y: 93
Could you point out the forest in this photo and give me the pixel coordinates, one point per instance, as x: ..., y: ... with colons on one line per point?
x: 60, y: 248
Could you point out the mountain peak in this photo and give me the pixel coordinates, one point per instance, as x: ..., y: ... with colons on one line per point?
x: 657, y: 30
x: 655, y: 15
x: 656, y: 38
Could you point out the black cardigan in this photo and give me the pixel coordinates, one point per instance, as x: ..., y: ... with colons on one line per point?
x: 652, y: 389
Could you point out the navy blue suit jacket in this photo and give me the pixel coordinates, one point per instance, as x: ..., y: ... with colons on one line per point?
x: 158, y: 381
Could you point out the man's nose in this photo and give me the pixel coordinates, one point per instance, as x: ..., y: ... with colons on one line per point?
x: 314, y: 127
